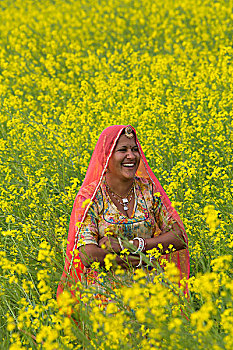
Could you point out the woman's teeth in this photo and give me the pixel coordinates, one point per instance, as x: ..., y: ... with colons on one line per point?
x: 128, y: 165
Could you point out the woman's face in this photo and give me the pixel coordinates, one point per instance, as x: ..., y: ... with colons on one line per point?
x: 125, y: 159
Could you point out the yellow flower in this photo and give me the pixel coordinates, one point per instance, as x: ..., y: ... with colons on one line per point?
x: 109, y: 258
x: 86, y: 202
x: 10, y: 323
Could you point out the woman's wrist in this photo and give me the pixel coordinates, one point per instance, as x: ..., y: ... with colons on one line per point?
x: 140, y: 244
x: 128, y: 261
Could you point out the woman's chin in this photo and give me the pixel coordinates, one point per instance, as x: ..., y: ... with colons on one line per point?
x: 128, y: 174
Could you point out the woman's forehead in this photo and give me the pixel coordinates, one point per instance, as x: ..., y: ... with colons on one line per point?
x: 125, y: 141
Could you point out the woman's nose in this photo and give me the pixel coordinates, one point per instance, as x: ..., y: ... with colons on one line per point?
x: 130, y: 154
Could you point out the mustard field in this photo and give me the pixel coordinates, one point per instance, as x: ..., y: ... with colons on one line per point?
x: 68, y: 69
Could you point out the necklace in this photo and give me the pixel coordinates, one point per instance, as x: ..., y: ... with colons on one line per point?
x: 125, y: 199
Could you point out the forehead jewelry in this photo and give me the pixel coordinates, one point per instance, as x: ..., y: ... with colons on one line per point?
x: 129, y: 132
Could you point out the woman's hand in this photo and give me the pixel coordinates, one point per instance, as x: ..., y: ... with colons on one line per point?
x: 110, y: 243
x: 128, y: 261
x: 91, y: 252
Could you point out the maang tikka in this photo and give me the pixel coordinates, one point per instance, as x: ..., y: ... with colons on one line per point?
x: 129, y: 132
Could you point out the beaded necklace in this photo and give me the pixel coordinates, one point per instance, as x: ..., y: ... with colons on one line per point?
x: 125, y: 199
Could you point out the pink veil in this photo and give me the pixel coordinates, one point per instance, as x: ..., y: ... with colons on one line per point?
x: 95, y: 172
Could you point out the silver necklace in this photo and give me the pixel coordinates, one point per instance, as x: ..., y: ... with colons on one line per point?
x: 125, y: 201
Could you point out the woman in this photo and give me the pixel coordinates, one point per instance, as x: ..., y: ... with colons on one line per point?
x: 121, y: 195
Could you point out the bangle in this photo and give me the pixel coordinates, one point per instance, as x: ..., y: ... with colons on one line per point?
x: 141, y: 245
x: 140, y: 262
x: 120, y: 243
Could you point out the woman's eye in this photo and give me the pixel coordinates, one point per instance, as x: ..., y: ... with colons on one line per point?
x: 133, y: 149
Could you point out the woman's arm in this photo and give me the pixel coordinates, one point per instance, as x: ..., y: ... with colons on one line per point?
x: 174, y: 237
x: 91, y: 253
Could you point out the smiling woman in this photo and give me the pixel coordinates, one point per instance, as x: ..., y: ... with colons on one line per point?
x: 121, y: 171
x: 121, y: 201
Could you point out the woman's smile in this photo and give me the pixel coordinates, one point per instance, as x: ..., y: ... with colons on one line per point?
x: 125, y: 159
x: 130, y: 167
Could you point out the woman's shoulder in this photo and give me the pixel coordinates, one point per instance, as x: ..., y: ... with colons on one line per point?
x: 146, y: 185
x: 91, y: 192
x: 88, y: 190
x: 143, y: 181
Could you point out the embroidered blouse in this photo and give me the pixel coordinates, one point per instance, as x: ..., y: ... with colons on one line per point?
x: 149, y: 217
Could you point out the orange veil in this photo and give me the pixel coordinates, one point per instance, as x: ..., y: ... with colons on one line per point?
x: 95, y: 172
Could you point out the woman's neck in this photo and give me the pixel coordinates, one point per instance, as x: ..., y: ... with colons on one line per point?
x: 118, y: 186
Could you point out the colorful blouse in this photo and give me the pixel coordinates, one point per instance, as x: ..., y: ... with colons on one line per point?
x: 149, y: 217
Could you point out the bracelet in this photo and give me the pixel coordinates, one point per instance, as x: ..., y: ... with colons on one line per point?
x: 140, y: 262
x: 120, y: 243
x: 141, y: 244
